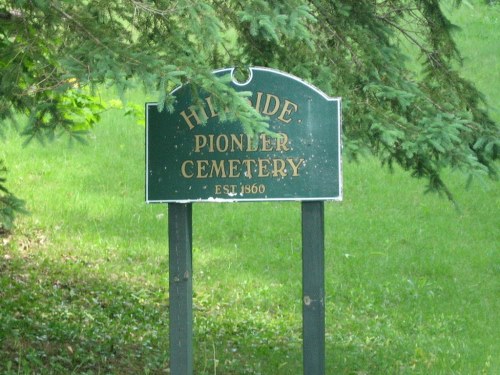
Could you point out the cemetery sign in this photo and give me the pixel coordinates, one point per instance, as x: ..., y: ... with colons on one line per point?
x: 192, y: 156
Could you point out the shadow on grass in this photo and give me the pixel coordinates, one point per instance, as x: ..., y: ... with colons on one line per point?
x: 67, y: 316
x: 60, y: 316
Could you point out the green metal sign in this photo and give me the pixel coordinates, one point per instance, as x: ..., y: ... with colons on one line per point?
x: 187, y: 161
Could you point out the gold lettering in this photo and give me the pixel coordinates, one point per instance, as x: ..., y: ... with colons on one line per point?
x: 263, y: 167
x: 218, y: 169
x: 193, y: 115
x: 251, y: 144
x: 257, y: 101
x: 295, y: 167
x: 213, y: 113
x: 238, y: 142
x: 288, y: 108
x: 201, y: 169
x: 230, y: 189
x: 184, y: 169
x: 200, y: 141
x: 233, y: 168
x: 210, y: 143
x: 279, y: 169
x: 266, y: 143
x: 266, y: 110
x: 198, y: 114
x: 248, y: 164
x: 203, y: 113
x: 282, y: 142
x: 222, y: 147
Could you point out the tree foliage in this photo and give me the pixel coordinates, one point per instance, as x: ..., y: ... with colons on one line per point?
x: 9, y: 204
x: 54, y: 53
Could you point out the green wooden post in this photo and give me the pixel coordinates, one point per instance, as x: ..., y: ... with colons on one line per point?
x: 313, y: 287
x: 180, y: 288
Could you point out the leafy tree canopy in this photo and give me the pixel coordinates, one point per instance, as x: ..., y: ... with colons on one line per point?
x: 53, y: 53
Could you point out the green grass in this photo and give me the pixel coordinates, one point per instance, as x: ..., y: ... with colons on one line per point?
x: 412, y: 284
x: 478, y: 39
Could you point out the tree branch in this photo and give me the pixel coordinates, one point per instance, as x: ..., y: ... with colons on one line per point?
x: 15, y: 15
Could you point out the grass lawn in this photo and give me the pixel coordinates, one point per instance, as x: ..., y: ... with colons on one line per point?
x: 412, y: 284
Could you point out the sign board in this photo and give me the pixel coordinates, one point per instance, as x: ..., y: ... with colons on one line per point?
x: 190, y: 161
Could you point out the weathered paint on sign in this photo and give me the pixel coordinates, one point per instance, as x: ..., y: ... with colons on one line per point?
x: 187, y: 161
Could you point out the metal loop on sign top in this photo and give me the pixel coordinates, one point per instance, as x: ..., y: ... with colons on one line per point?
x: 235, y: 80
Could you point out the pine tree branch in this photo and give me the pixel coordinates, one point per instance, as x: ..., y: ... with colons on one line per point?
x: 91, y: 35
x: 82, y: 27
x: 12, y: 15
x: 407, y: 35
x: 153, y: 9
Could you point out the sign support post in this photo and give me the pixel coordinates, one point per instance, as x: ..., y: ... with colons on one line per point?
x: 313, y: 288
x: 180, y: 288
